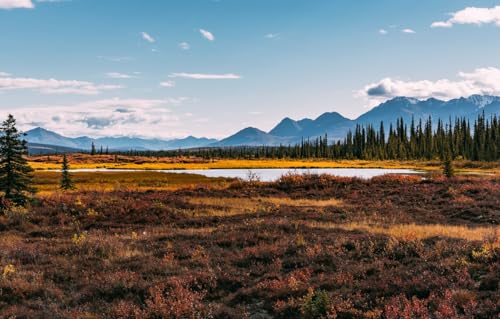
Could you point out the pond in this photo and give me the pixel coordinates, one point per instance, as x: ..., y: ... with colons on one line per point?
x: 269, y: 175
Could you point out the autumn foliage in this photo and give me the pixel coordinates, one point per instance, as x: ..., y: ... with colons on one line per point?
x: 302, y: 247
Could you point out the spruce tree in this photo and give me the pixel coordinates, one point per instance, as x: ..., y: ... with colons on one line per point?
x: 66, y: 181
x: 92, y: 149
x: 15, y: 173
x: 448, y: 169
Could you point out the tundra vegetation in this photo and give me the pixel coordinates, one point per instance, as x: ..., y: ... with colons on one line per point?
x: 155, y: 245
x: 302, y: 247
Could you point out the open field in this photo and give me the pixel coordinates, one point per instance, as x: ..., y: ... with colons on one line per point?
x: 302, y: 247
x: 85, y: 161
x: 47, y: 182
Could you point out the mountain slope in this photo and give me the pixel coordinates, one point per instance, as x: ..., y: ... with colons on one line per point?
x: 404, y: 107
x: 251, y: 136
x: 45, y: 137
x: 289, y: 131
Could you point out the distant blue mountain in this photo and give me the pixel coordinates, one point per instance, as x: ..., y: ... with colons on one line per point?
x: 407, y: 107
x: 289, y: 131
x: 251, y: 136
x: 45, y: 137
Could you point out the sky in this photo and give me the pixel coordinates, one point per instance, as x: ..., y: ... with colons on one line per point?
x: 173, y: 68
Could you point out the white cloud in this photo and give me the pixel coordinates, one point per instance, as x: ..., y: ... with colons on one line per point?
x: 484, y: 81
x: 207, y: 35
x: 53, y: 86
x: 408, y: 31
x: 117, y: 75
x: 199, y: 76
x: 24, y: 4
x: 4, y: 74
x: 471, y: 15
x: 52, y: 1
x: 116, y: 58
x: 272, y: 35
x: 383, y: 31
x: 148, y: 37
x: 151, y: 118
x: 441, y: 24
x: 168, y: 84
x: 16, y: 4
x: 184, y: 46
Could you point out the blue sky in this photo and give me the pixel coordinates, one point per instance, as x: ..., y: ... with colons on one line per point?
x: 172, y: 68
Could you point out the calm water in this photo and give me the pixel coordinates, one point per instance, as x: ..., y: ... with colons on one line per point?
x: 268, y: 175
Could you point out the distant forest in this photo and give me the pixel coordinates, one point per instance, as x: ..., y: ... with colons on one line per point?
x: 405, y: 141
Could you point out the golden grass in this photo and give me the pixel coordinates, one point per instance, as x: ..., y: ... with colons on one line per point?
x: 48, y: 182
x: 418, y: 232
x: 305, y: 202
x: 218, y: 206
x: 86, y: 161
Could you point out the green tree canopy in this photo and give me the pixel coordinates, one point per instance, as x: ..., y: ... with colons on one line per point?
x: 15, y: 173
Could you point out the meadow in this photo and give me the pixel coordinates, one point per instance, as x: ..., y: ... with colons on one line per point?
x: 86, y: 161
x: 301, y: 247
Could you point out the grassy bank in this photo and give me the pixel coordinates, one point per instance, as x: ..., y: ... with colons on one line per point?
x: 84, y: 161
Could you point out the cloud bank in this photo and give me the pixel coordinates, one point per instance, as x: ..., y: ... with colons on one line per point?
x: 471, y: 15
x: 53, y: 86
x: 16, y: 4
x: 484, y: 81
x: 151, y: 118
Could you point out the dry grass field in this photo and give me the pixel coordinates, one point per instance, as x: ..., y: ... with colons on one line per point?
x: 85, y: 161
x: 302, y: 247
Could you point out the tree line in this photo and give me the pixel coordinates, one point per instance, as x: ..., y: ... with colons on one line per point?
x: 417, y: 140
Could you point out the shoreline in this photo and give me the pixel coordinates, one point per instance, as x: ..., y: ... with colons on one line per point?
x: 195, y: 164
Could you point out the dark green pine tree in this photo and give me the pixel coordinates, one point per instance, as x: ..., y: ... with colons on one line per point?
x: 66, y: 180
x: 15, y: 173
x: 92, y: 149
x: 448, y: 169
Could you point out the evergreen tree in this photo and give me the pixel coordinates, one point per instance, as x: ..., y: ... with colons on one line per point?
x: 448, y: 169
x: 15, y: 173
x: 92, y: 149
x: 66, y: 181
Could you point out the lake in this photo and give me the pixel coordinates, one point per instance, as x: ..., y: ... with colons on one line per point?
x: 269, y: 175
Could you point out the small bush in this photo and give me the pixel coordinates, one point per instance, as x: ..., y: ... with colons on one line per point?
x: 316, y: 304
x: 17, y: 214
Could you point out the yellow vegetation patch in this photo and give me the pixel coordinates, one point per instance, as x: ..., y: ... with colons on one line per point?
x: 48, y: 182
x: 303, y: 202
x: 218, y: 206
x: 167, y: 164
x: 417, y: 232
x: 248, y: 203
x: 86, y: 161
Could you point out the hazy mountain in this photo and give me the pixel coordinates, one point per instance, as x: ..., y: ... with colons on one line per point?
x: 289, y: 131
x: 251, y: 136
x: 40, y: 149
x: 45, y: 137
x: 407, y: 107
x: 332, y: 124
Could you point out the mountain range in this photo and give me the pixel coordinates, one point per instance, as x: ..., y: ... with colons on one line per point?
x: 288, y: 131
